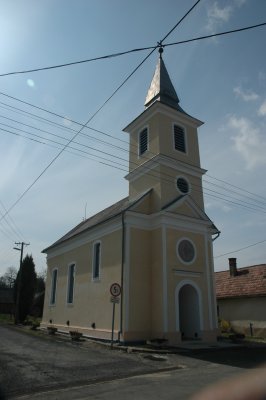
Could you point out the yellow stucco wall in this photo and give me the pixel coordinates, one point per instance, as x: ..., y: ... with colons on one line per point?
x: 91, y: 299
x: 160, y: 138
x: 139, y: 281
x: 196, y: 273
x: 157, y: 278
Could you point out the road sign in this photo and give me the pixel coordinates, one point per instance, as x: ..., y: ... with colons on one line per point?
x: 115, y: 289
x: 115, y: 300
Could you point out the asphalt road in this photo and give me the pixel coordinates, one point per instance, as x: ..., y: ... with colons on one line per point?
x: 42, y: 367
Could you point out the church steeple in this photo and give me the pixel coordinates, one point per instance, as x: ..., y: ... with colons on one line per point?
x: 164, y: 151
x: 161, y: 88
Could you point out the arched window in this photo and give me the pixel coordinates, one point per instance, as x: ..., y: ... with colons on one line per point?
x: 70, y: 283
x: 96, y: 261
x: 53, y: 287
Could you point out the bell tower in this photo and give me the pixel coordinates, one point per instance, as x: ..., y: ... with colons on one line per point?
x: 169, y: 253
x: 164, y: 151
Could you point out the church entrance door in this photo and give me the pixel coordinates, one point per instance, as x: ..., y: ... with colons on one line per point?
x: 189, y: 313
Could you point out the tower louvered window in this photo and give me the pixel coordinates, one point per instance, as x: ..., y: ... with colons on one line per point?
x: 179, y: 138
x: 143, y: 141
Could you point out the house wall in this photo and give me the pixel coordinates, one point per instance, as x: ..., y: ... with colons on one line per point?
x: 91, y: 298
x: 241, y: 312
x: 243, y: 308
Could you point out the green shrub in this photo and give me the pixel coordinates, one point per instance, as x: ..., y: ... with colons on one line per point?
x: 225, y: 326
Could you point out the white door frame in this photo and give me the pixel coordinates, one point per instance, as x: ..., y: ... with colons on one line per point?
x: 177, y: 290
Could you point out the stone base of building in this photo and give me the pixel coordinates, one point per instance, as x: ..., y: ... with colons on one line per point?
x: 158, y: 338
x: 100, y: 334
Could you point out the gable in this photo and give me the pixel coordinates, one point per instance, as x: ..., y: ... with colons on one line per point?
x: 184, y: 205
x: 143, y: 206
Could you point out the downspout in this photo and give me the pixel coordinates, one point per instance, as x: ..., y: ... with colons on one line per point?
x: 216, y: 237
x: 122, y: 274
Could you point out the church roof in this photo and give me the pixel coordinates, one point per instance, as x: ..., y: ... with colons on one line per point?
x: 161, y: 88
x: 101, y: 217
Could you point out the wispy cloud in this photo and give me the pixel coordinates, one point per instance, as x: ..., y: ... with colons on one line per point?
x: 217, y: 15
x: 262, y: 109
x: 248, y: 141
x: 247, y: 95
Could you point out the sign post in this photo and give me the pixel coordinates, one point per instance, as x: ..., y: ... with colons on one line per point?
x: 115, y: 290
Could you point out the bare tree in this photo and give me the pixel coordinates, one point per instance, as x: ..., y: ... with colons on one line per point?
x: 9, y: 277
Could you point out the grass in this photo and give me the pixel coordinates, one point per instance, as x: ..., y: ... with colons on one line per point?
x: 6, y: 318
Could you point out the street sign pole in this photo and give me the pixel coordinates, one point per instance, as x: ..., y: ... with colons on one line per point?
x: 115, y: 291
x: 113, y: 325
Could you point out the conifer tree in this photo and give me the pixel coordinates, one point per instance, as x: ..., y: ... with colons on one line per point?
x: 25, y: 287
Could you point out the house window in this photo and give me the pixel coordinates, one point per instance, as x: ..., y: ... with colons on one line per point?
x: 179, y: 138
x: 70, y: 285
x: 53, y: 287
x: 96, y: 261
x: 143, y: 141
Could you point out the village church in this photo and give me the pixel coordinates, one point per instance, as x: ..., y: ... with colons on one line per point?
x: 156, y: 243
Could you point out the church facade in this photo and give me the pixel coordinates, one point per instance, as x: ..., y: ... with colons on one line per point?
x: 156, y: 243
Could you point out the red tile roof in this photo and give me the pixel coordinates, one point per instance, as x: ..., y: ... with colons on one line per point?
x: 249, y: 282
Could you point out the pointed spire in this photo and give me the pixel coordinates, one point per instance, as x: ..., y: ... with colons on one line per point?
x: 161, y: 88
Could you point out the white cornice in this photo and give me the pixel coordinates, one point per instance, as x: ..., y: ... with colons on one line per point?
x: 175, y: 221
x: 156, y: 108
x: 193, y: 274
x: 160, y: 159
x: 91, y: 235
x: 133, y: 219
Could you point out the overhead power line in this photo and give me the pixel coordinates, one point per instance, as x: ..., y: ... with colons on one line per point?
x: 61, y: 126
x: 241, y: 249
x: 136, y: 50
x: 95, y: 113
x: 236, y: 201
x: 232, y: 200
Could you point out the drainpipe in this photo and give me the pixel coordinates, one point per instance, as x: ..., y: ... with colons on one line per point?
x: 122, y: 274
x: 216, y: 237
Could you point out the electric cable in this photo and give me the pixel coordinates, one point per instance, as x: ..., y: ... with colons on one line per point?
x: 109, y: 144
x: 122, y: 53
x: 94, y: 114
x: 227, y: 198
x: 103, y: 133
x: 241, y: 249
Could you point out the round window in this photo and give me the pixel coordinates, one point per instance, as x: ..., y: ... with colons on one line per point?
x: 182, y: 185
x: 186, y: 250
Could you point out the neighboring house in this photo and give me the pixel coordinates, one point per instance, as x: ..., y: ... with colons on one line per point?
x: 241, y: 297
x: 7, y: 304
x: 156, y: 243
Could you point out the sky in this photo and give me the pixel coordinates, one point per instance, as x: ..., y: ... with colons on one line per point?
x: 221, y: 81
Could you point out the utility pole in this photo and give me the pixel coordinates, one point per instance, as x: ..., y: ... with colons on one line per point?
x: 22, y: 244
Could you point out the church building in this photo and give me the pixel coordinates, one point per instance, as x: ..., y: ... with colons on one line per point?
x: 155, y: 244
